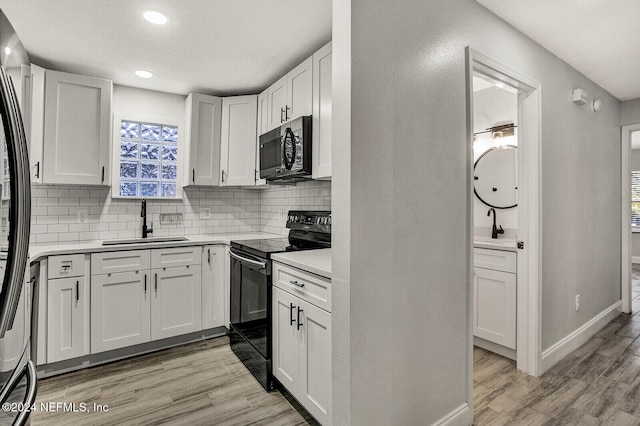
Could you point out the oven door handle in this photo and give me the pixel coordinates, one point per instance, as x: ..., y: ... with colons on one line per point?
x: 262, y: 265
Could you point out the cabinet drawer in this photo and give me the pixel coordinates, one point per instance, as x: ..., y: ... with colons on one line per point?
x: 309, y: 287
x: 497, y: 260
x: 175, y: 256
x: 64, y: 266
x: 119, y: 261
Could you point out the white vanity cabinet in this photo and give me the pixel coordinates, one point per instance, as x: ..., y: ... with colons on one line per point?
x: 203, y: 117
x: 322, y: 113
x: 302, y: 338
x: 238, y: 141
x: 68, y: 301
x: 213, y: 291
x: 494, y: 297
x: 71, y: 124
x: 291, y: 96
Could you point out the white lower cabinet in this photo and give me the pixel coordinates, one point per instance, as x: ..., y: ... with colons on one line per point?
x: 176, y: 301
x: 68, y: 319
x: 213, y: 273
x: 120, y: 310
x: 302, y: 351
x: 494, y: 299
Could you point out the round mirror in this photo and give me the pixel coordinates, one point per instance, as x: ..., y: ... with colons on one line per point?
x: 496, y: 177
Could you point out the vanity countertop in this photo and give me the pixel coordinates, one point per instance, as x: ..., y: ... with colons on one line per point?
x: 504, y: 244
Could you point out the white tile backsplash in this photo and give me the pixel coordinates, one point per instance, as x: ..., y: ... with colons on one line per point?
x: 55, y: 211
x: 277, y: 201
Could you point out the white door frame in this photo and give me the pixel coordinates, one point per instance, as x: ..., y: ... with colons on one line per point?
x: 529, y: 313
x: 625, y: 235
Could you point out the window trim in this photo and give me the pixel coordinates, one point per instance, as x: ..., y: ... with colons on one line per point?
x: 115, y: 163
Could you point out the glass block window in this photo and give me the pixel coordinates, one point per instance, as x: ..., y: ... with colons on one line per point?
x: 148, y: 160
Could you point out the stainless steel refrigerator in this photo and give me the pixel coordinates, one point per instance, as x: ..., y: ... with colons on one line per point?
x: 17, y: 292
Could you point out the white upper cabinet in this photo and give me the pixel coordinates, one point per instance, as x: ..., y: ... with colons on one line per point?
x: 291, y: 96
x: 238, y: 141
x: 277, y: 102
x: 299, y: 90
x: 203, y: 115
x: 71, y: 122
x: 322, y: 110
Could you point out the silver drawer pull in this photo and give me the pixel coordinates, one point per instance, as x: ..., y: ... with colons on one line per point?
x: 297, y: 283
x: 65, y: 267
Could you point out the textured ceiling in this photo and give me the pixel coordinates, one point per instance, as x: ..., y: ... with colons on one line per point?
x: 208, y: 46
x: 599, y: 38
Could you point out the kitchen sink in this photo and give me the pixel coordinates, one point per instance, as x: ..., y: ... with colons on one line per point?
x: 144, y: 240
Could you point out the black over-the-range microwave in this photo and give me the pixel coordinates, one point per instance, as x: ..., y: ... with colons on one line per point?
x: 285, y: 152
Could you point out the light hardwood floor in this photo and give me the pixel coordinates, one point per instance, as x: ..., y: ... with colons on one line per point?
x: 204, y: 383
x: 201, y: 383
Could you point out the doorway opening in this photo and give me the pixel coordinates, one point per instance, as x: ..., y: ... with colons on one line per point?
x: 523, y: 223
x: 630, y: 233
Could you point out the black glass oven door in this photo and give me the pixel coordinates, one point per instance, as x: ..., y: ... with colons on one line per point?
x: 250, y: 299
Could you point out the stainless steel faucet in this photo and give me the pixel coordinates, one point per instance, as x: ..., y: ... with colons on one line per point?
x: 143, y: 214
x: 495, y: 231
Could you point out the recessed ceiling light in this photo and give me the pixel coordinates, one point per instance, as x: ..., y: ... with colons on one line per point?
x: 155, y: 17
x: 144, y: 74
x: 7, y: 50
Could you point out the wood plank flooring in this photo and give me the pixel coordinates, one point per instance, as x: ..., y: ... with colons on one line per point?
x: 203, y: 383
x: 597, y: 384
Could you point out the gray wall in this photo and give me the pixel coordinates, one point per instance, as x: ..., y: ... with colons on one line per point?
x: 409, y: 193
x: 631, y: 112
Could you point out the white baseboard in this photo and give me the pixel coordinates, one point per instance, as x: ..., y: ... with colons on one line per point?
x: 494, y: 347
x: 579, y: 337
x: 635, y: 259
x: 461, y: 416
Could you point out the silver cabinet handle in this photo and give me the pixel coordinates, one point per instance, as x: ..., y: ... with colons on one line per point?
x: 145, y: 283
x: 65, y: 267
x: 77, y: 291
x: 209, y: 256
x: 296, y: 283
x: 156, y: 284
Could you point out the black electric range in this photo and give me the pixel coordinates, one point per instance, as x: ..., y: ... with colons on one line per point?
x: 250, y: 287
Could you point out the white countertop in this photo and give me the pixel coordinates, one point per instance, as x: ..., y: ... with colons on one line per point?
x: 504, y: 244
x: 37, y: 251
x: 315, y: 261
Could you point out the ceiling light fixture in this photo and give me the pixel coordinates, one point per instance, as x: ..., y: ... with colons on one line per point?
x: 7, y: 50
x: 144, y: 74
x: 155, y: 17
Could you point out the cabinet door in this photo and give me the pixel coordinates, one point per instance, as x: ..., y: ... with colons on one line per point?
x: 120, y: 310
x: 315, y: 362
x: 276, y: 102
x: 77, y: 122
x: 176, y: 301
x: 322, y: 107
x: 213, y: 299
x: 203, y: 120
x: 67, y: 319
x: 263, y: 127
x: 285, y: 339
x: 299, y: 90
x: 238, y: 140
x: 494, y: 306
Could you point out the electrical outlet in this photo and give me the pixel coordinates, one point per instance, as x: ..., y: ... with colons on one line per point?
x: 82, y: 216
x: 577, y: 302
x: 205, y: 213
